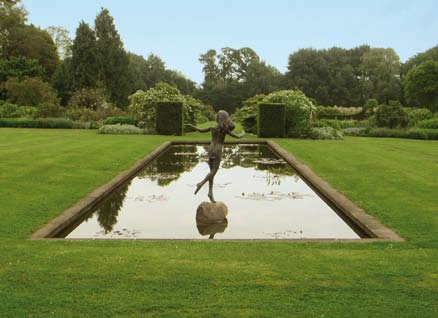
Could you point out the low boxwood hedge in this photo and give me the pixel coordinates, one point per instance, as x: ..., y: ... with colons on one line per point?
x: 40, y: 123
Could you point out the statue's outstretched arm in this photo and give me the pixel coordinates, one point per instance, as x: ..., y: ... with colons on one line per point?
x: 199, y: 129
x: 235, y: 135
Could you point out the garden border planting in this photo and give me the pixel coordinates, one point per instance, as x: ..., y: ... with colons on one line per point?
x: 368, y: 227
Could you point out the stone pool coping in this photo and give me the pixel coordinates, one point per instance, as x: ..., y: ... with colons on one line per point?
x: 366, y: 225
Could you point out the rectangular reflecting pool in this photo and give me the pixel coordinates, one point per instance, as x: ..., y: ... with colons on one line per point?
x: 265, y: 197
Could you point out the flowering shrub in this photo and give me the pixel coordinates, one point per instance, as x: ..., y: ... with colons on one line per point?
x: 91, y: 98
x: 325, y: 133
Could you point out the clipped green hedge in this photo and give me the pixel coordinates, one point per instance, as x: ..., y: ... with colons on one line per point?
x: 121, y: 121
x: 170, y: 118
x: 40, y: 123
x: 271, y: 120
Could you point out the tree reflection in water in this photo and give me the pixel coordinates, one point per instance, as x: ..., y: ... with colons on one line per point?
x: 110, y: 207
x: 171, y: 164
x: 259, y: 157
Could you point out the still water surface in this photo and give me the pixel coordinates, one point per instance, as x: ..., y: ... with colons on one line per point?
x: 266, y: 199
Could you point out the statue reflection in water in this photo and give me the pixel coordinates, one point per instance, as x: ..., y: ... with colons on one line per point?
x: 224, y: 127
x: 211, y: 229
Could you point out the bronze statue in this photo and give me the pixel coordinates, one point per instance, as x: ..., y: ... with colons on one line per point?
x: 224, y: 127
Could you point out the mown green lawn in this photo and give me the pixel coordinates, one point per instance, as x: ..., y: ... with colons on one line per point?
x: 43, y: 172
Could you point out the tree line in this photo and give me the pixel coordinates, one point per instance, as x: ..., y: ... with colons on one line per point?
x: 36, y: 62
x: 335, y: 76
x: 94, y: 60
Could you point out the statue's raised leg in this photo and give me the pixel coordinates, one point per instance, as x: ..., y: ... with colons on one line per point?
x: 214, y: 167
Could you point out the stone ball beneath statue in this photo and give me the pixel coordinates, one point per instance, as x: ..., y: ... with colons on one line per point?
x: 211, y: 213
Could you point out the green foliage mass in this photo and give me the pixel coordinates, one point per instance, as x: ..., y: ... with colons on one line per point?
x: 428, y: 55
x: 380, y: 69
x: 421, y: 85
x: 9, y: 110
x: 143, y: 104
x: 20, y: 67
x: 416, y: 115
x: 370, y: 105
x: 30, y: 91
x: 431, y: 123
x: 34, y: 43
x: 247, y: 114
x: 234, y: 75
x: 300, y: 111
x: 391, y: 116
x: 328, y: 76
x: 343, y: 77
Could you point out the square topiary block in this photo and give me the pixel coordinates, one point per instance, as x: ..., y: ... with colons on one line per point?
x: 271, y: 120
x: 170, y: 118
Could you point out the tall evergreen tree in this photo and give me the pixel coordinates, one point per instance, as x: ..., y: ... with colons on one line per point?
x: 113, y: 59
x: 84, y: 66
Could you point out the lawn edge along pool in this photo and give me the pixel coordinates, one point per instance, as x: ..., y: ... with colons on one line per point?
x: 365, y: 225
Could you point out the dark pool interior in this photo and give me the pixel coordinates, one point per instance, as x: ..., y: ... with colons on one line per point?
x: 266, y: 199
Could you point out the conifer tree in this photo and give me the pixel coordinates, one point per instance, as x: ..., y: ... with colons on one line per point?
x: 113, y: 59
x: 84, y: 61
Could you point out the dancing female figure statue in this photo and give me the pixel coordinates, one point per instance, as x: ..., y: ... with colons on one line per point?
x: 224, y: 127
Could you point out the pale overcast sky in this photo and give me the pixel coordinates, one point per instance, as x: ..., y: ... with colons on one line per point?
x: 179, y: 31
